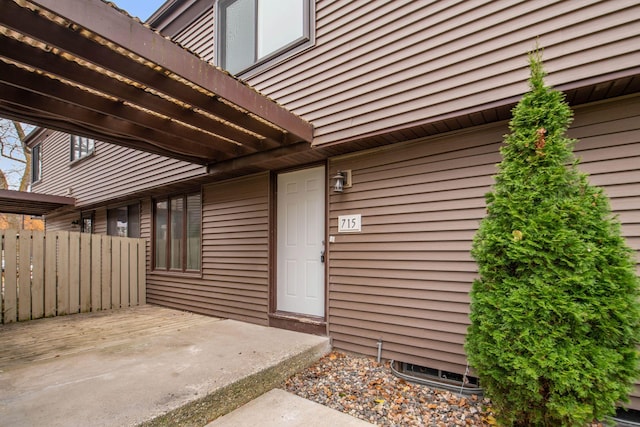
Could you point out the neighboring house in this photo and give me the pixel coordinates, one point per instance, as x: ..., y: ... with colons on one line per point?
x: 410, y: 101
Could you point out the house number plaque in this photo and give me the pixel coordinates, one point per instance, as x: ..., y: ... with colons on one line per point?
x: 350, y: 223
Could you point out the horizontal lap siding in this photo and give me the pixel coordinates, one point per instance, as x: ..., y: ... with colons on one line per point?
x: 609, y: 148
x: 198, y: 36
x: 406, y: 277
x: 235, y: 255
x: 62, y: 222
x: 111, y: 172
x: 383, y: 64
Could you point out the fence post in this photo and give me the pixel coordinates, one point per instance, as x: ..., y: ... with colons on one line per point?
x: 85, y: 272
x: 37, y: 275
x: 142, y: 272
x: 133, y: 272
x: 62, y: 256
x: 75, y: 267
x: 9, y: 313
x: 124, y: 272
x: 24, y: 275
x: 96, y: 272
x: 51, y: 274
x: 106, y: 273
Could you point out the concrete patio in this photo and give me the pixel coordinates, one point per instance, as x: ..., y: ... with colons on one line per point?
x: 146, y: 365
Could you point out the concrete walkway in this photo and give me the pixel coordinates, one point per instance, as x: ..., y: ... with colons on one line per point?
x: 278, y: 408
x: 147, y: 365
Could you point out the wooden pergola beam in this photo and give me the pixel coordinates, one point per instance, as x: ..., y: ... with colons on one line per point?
x: 85, y: 68
x: 161, y: 131
x: 72, y: 71
x: 152, y: 46
x: 106, y: 22
x: 101, y: 123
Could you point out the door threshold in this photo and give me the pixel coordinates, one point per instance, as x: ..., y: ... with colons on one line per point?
x: 298, y: 322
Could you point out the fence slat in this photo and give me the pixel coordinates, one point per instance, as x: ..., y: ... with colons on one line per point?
x: 37, y: 275
x: 50, y: 274
x: 74, y: 272
x: 85, y: 272
x: 96, y: 272
x: 63, y: 273
x: 142, y: 272
x: 115, y: 272
x: 106, y: 272
x: 24, y: 275
x: 133, y: 272
x: 124, y: 273
x: 10, y: 277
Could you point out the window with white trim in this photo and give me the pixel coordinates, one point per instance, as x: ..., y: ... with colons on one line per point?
x: 252, y: 32
x: 81, y: 147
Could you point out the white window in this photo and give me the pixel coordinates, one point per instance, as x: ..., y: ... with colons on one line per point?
x: 252, y: 32
x: 81, y: 147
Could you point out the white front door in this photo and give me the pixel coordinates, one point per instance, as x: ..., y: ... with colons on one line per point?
x: 301, y: 212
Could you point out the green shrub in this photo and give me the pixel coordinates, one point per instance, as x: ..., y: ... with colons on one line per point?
x: 555, y: 314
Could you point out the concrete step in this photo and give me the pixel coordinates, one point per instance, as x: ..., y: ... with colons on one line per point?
x: 279, y: 408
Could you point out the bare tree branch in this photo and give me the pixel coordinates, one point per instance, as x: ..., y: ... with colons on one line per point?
x: 4, y: 185
x: 14, y: 149
x: 26, y: 175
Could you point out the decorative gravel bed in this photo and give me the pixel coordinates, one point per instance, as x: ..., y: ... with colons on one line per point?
x: 363, y: 388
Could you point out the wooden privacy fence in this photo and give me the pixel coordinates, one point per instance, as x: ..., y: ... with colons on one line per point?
x: 58, y: 273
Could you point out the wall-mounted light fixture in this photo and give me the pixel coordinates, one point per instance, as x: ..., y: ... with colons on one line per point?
x: 341, y: 180
x: 338, y: 182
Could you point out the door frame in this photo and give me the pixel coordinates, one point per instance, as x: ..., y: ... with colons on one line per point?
x: 316, y: 325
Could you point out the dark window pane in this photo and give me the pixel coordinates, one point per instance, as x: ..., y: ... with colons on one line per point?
x: 193, y: 232
x: 177, y: 221
x: 134, y: 220
x: 117, y: 222
x: 177, y: 232
x: 36, y: 163
x: 86, y: 222
x: 161, y: 215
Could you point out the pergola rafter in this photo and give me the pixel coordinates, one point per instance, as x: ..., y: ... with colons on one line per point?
x: 87, y: 68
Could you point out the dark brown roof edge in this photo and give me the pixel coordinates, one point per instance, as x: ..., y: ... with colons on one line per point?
x: 504, y: 105
x: 36, y: 135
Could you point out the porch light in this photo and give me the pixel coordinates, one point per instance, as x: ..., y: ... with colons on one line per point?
x: 338, y: 182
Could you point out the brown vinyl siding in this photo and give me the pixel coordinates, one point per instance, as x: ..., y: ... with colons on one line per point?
x: 111, y: 172
x: 387, y: 64
x: 62, y: 222
x: 609, y: 148
x: 235, y: 255
x: 145, y: 227
x: 100, y: 221
x: 198, y: 36
x: 406, y: 277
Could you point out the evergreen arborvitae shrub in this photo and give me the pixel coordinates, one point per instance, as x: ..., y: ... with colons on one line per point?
x: 554, y: 313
